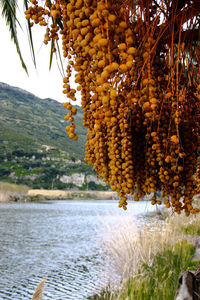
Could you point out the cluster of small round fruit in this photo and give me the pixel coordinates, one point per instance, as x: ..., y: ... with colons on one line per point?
x: 139, y: 94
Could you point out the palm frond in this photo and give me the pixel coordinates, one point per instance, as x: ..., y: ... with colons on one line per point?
x: 51, y: 53
x: 8, y: 8
x: 30, y: 35
x: 60, y: 59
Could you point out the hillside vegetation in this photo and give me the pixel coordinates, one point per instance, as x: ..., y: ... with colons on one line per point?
x: 32, y: 122
x: 34, y: 147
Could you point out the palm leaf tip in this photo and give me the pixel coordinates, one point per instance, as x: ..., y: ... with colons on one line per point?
x: 30, y: 35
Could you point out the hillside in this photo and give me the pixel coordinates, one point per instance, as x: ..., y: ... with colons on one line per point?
x: 34, y: 146
x: 31, y: 122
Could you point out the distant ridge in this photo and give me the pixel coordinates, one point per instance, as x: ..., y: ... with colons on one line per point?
x: 9, y: 87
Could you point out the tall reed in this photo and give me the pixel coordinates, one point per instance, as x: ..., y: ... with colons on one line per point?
x: 130, y: 249
x: 39, y: 290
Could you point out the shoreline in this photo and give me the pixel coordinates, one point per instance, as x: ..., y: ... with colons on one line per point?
x: 7, y: 196
x: 31, y: 195
x: 75, y: 195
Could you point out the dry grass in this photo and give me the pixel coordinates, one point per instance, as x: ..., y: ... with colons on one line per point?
x: 9, y: 190
x: 14, y: 188
x: 5, y: 196
x: 129, y: 248
x: 39, y: 290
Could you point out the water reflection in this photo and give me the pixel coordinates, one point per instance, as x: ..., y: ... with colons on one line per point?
x: 58, y: 241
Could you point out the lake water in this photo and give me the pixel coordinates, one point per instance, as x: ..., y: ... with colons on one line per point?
x: 58, y: 240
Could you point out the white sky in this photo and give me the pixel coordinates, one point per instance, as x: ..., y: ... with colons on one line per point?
x: 41, y: 82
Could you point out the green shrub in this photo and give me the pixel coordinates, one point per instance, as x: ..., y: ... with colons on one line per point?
x: 191, y: 229
x: 159, y: 280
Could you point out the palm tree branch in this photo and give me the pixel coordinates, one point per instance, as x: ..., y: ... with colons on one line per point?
x: 30, y: 35
x: 9, y: 14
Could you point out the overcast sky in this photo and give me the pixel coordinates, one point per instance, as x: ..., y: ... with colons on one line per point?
x: 41, y: 82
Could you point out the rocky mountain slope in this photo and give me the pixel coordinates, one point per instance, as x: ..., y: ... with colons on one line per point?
x: 34, y: 147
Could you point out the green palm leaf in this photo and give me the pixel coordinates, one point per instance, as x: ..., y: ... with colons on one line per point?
x: 8, y: 8
x: 30, y: 35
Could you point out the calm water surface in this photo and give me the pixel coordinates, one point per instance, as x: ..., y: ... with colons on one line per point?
x: 58, y: 240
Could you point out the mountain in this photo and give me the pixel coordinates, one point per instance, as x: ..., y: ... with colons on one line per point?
x: 34, y: 147
x: 29, y: 121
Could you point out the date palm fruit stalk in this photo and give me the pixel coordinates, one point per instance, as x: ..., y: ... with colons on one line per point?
x: 137, y: 66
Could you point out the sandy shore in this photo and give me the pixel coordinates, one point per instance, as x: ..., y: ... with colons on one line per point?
x: 107, y: 195
x: 37, y: 194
